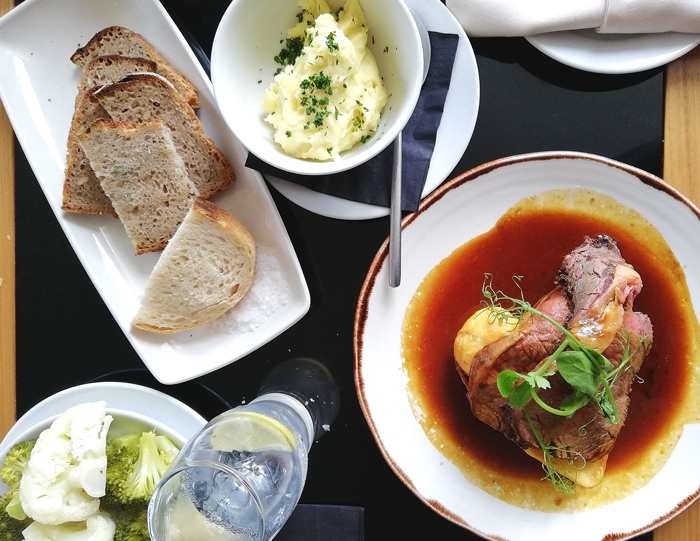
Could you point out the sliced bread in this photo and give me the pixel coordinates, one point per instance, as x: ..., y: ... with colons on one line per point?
x: 120, y: 41
x: 82, y: 192
x: 144, y: 177
x: 205, y: 270
x: 105, y: 70
x: 143, y: 97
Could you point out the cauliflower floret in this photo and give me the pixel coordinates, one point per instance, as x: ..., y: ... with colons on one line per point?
x: 67, y: 469
x: 99, y: 527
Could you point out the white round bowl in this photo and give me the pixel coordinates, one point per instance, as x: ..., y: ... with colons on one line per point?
x: 133, y: 407
x: 485, y: 194
x: 252, y: 32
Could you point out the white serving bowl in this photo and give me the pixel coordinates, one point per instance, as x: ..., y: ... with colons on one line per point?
x: 395, y: 416
x: 252, y: 32
x: 133, y: 407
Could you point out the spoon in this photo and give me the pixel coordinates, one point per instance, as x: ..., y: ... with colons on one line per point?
x: 395, y: 216
x: 395, y: 203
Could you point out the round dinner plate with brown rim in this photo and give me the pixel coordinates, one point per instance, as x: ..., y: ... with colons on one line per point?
x: 457, y: 212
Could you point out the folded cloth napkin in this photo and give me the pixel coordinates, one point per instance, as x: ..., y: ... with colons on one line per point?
x: 324, y: 523
x: 530, y: 17
x: 371, y: 182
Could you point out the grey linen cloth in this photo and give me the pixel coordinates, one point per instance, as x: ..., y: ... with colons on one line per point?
x: 324, y: 523
x: 509, y: 18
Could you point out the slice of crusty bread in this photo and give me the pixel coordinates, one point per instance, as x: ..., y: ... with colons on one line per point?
x: 120, y: 41
x: 205, y: 270
x: 142, y: 174
x: 105, y: 70
x: 142, y: 97
x: 82, y: 192
x: 81, y: 189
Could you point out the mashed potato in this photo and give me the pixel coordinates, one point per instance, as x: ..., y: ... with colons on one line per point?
x: 332, y: 96
x: 480, y: 330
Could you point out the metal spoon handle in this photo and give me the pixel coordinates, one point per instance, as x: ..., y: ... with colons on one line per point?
x: 395, y: 217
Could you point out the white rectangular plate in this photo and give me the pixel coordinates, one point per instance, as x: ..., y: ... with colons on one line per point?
x: 38, y: 85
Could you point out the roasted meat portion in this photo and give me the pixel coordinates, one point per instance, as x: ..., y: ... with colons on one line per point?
x: 602, y: 287
x: 593, y: 299
x: 521, y: 349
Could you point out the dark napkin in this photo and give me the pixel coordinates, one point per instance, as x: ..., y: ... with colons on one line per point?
x: 324, y: 523
x: 371, y: 181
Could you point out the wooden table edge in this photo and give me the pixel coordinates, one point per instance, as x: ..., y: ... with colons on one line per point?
x: 7, y: 266
x: 682, y: 171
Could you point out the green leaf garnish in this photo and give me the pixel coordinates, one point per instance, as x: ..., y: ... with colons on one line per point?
x: 589, y: 373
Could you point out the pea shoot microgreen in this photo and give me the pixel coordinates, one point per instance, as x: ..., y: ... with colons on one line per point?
x: 589, y: 373
x: 555, y: 476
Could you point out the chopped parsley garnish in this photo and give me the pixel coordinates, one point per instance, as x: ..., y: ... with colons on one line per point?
x: 310, y: 35
x: 315, y: 90
x: 318, y: 81
x: 331, y: 43
x: 291, y: 51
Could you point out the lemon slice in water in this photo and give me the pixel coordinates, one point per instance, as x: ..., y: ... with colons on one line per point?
x: 251, y: 431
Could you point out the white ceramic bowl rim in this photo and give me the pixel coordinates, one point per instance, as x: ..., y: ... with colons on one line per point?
x: 401, y: 67
x: 126, y: 402
x: 430, y: 235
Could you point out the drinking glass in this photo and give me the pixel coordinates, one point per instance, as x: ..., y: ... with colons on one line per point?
x: 241, y: 476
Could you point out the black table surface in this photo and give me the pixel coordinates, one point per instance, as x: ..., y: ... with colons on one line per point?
x: 66, y: 335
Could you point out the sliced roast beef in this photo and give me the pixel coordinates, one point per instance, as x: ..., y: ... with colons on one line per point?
x: 534, y: 339
x: 602, y: 286
x: 593, y: 300
x: 586, y: 433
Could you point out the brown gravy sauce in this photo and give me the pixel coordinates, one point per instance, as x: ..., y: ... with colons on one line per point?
x: 531, y: 240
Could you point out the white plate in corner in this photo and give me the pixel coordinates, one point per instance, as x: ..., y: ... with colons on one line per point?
x: 38, y: 84
x: 592, y: 51
x: 453, y: 136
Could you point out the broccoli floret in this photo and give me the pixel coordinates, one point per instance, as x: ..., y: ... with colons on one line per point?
x: 131, y: 524
x: 16, y: 462
x: 135, y: 466
x: 11, y: 528
x: 11, y: 472
x: 167, y: 449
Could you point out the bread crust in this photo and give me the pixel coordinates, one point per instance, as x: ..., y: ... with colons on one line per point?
x: 143, y: 96
x: 207, y: 268
x: 141, y: 172
x: 225, y: 220
x: 82, y: 192
x: 117, y: 40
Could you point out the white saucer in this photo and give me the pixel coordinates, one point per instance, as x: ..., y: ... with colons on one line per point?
x: 591, y: 51
x: 453, y: 136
